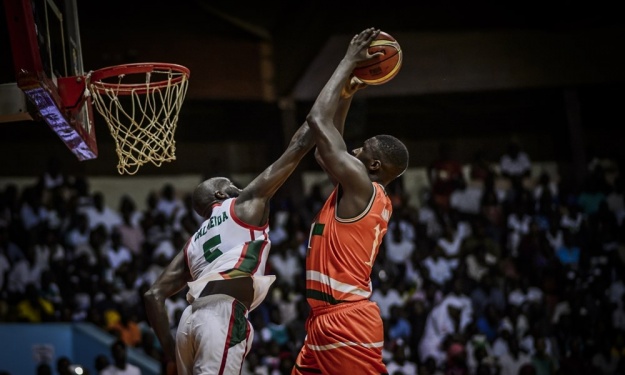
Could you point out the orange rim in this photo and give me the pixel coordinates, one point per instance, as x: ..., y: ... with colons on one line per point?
x: 99, y: 75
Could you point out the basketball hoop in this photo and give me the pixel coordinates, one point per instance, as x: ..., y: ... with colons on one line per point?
x: 143, y: 126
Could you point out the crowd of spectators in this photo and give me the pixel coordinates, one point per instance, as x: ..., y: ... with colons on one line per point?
x: 500, y: 272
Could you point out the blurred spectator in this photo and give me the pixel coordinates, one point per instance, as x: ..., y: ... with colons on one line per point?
x: 605, y: 361
x: 568, y: 252
x: 592, y: 193
x: 445, y: 320
x: 399, y: 247
x: 575, y: 361
x: 100, y: 363
x: 62, y: 366
x: 79, y: 232
x: 285, y: 262
x: 168, y: 203
x: 186, y: 219
x: 512, y: 361
x: 99, y: 213
x: 53, y: 176
x: 44, y: 369
x: 398, y: 327
x: 445, y: 175
x: 120, y: 365
x: 49, y: 289
x: 481, y: 168
x: 439, y: 268
x: 429, y: 367
x: 515, y: 163
x: 33, y: 213
x: 8, y: 247
x: 386, y: 296
x: 492, y: 210
x: 24, y: 272
x: 131, y: 233
x: 456, y: 360
x: 33, y: 308
x: 124, y: 325
x: 544, y: 363
x: 399, y: 364
x: 487, y: 292
x: 116, y: 253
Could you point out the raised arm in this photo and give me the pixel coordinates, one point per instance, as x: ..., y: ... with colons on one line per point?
x: 252, y: 205
x: 350, y: 173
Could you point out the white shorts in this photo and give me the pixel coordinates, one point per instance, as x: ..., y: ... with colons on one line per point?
x: 214, y: 336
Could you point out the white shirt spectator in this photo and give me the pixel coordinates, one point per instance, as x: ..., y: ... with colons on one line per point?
x: 407, y: 368
x: 286, y: 264
x: 100, y: 214
x: 168, y: 203
x: 407, y: 229
x: 5, y: 266
x: 398, y: 252
x: 129, y: 370
x: 118, y: 256
x: 518, y: 297
x: 31, y: 216
x: 518, y: 224
x: 22, y: 274
x: 467, y: 200
x: 438, y: 325
x: 451, y: 247
x: 165, y: 248
x: 439, y: 269
x: 515, y: 164
x: 385, y: 297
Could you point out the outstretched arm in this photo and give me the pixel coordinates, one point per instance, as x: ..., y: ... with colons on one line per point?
x: 173, y: 278
x: 350, y: 173
x: 252, y: 204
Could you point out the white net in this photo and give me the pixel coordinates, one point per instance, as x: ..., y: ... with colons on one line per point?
x: 142, y: 117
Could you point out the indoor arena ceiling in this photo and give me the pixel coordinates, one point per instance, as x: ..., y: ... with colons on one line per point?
x: 299, y: 29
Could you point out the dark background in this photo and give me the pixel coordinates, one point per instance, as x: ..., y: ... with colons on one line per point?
x: 234, y: 110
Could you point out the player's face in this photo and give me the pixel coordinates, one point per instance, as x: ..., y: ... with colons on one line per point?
x: 366, y: 152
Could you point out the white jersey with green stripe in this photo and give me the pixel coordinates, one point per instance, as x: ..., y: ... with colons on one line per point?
x: 225, y: 247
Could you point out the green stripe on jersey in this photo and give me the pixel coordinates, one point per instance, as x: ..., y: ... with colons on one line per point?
x: 318, y: 229
x: 239, y: 326
x: 321, y: 296
x: 252, y: 256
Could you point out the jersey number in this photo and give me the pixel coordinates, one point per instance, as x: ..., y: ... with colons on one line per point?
x: 211, y: 252
x: 374, y: 247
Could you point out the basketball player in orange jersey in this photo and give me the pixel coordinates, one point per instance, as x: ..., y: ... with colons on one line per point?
x: 344, y: 329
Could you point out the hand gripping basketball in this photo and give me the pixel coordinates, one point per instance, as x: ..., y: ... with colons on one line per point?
x: 384, y: 67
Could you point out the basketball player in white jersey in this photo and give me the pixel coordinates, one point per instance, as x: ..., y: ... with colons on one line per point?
x: 223, y: 264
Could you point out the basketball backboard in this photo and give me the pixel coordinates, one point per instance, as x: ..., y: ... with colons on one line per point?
x: 47, y: 80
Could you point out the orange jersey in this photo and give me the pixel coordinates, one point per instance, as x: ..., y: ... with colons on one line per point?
x: 341, y: 252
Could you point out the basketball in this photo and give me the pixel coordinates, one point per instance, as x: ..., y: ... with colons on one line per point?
x: 383, y: 68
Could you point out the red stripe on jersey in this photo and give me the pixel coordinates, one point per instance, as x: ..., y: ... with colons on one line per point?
x: 243, y: 224
x: 242, y: 257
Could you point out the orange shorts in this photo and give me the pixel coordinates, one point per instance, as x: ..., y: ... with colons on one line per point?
x: 343, y: 339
